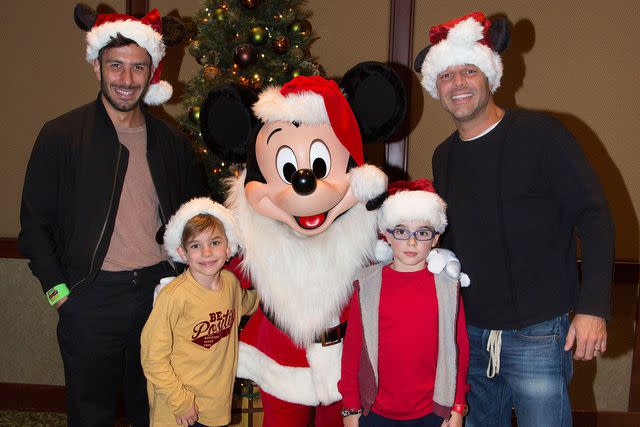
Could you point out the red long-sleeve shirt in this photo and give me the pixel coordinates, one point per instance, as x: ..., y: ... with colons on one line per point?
x: 407, y: 350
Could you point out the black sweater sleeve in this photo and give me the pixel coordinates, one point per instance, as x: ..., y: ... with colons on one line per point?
x: 39, y: 209
x: 577, y: 190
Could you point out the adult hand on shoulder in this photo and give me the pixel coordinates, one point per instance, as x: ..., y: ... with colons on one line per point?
x: 454, y: 421
x: 589, y: 333
x: 351, y: 420
x: 189, y: 418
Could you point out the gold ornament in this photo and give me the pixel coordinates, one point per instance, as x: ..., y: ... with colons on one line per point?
x: 244, y: 81
x: 211, y: 72
x: 280, y: 45
x: 258, y: 35
x: 250, y: 4
x: 219, y: 14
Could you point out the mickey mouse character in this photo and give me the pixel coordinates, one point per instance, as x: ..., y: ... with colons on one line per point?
x: 301, y: 205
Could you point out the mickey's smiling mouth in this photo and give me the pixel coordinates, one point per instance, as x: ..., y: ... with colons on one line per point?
x: 311, y: 222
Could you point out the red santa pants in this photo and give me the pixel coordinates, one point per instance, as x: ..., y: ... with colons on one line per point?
x: 278, y: 413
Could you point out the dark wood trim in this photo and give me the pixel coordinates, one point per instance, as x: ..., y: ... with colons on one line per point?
x: 400, y: 53
x: 32, y: 397
x: 137, y: 8
x: 9, y: 248
x: 634, y: 389
x: 51, y: 398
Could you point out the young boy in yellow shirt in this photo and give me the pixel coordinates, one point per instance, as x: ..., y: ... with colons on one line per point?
x: 190, y: 341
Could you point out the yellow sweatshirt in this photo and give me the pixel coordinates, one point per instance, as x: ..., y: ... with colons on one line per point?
x: 190, y: 349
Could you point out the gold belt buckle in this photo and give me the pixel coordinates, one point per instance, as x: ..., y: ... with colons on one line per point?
x: 332, y: 339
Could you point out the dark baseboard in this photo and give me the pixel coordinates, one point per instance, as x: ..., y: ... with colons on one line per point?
x: 50, y: 398
x: 32, y: 397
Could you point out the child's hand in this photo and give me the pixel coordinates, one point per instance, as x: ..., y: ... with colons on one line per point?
x: 351, y: 420
x: 189, y: 418
x: 454, y: 421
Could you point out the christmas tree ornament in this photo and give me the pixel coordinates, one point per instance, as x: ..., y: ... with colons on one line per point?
x: 245, y: 55
x: 219, y: 14
x: 256, y: 81
x: 250, y: 4
x: 194, y: 48
x: 295, y: 73
x: 258, y: 35
x: 194, y: 114
x: 211, y: 72
x: 280, y: 45
x: 244, y: 81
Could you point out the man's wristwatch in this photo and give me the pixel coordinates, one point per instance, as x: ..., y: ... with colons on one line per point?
x: 460, y: 408
x: 350, y: 411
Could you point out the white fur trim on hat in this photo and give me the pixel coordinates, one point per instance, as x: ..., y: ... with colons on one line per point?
x: 158, y: 93
x: 144, y: 35
x: 461, y: 47
x: 201, y: 205
x: 367, y: 182
x: 413, y: 206
x: 306, y: 107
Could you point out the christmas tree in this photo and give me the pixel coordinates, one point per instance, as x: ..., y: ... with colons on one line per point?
x: 253, y: 43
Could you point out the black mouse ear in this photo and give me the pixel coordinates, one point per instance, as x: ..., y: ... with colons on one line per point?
x: 227, y: 122
x: 378, y: 99
x: 84, y: 16
x: 417, y: 64
x: 173, y: 30
x: 500, y: 33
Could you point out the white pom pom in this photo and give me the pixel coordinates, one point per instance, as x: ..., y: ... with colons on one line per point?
x: 383, y: 252
x: 367, y: 182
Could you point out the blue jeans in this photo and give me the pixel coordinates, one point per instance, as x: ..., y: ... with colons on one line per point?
x: 535, y: 372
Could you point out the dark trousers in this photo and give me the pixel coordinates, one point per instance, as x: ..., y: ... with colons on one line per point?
x: 99, y: 337
x: 375, y: 420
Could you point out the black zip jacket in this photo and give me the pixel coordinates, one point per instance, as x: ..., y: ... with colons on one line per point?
x: 516, y: 198
x: 72, y: 190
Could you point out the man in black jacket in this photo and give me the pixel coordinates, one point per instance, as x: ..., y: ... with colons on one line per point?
x: 517, y: 187
x: 101, y: 182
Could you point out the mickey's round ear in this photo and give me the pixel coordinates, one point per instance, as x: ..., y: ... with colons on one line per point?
x: 173, y: 30
x: 500, y: 33
x: 417, y: 64
x: 227, y: 122
x: 378, y: 99
x: 84, y: 16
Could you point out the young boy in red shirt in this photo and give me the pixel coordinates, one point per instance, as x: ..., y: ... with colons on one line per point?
x: 406, y: 351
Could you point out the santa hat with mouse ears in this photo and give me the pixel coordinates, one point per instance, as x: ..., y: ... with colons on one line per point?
x: 147, y: 32
x: 471, y: 39
x: 410, y: 201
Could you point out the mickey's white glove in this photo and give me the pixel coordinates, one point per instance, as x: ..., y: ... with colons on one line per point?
x: 163, y: 282
x: 443, y: 259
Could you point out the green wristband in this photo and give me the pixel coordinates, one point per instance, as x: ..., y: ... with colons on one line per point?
x: 56, y: 293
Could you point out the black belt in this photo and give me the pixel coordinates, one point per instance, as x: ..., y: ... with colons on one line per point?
x: 328, y: 337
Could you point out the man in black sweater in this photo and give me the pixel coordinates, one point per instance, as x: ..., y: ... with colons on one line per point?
x: 518, y: 189
x: 101, y: 181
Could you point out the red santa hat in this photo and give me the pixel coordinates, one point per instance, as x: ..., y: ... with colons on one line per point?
x: 313, y: 101
x: 410, y: 201
x: 464, y: 40
x: 146, y: 32
x: 197, y: 206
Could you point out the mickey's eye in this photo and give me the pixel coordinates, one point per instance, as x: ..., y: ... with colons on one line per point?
x: 286, y: 163
x: 320, y: 159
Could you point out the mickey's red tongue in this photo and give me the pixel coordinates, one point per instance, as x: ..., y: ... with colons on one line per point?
x: 311, y: 222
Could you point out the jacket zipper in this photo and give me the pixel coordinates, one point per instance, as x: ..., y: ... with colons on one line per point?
x: 104, y: 225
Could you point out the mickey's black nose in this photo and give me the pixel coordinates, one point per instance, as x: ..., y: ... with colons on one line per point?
x: 304, y: 181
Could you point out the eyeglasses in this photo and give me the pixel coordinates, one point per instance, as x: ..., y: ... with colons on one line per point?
x: 421, y: 235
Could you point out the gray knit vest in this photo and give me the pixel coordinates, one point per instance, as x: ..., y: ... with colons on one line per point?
x: 370, y: 284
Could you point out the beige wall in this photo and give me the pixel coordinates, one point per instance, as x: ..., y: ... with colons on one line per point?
x: 47, y: 75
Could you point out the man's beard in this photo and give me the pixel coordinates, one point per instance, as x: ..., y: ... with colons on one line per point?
x: 303, y: 281
x: 120, y: 107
